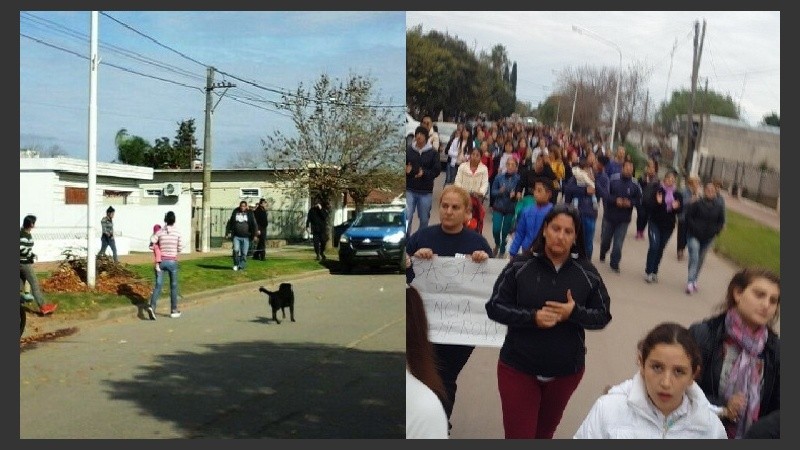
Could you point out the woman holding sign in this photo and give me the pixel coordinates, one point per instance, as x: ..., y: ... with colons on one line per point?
x: 547, y: 297
x: 449, y: 238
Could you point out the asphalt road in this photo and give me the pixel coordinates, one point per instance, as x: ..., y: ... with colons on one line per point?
x: 223, y: 370
x: 636, y: 307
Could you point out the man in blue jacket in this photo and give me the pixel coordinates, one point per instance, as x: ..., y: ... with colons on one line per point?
x: 624, y: 194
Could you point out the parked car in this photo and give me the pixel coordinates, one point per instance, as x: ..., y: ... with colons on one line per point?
x: 338, y: 230
x: 377, y: 237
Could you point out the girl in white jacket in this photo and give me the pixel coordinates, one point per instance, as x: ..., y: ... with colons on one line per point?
x: 662, y: 399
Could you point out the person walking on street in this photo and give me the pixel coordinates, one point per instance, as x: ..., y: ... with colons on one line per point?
x: 741, y: 362
x: 242, y: 229
x: 624, y: 194
x: 26, y: 271
x: 169, y: 240
x: 547, y: 298
x: 422, y: 167
x: 662, y: 400
x: 107, y: 236
x: 262, y: 221
x: 664, y: 205
x: 317, y: 223
x: 425, y: 394
x: 449, y: 238
x: 503, y: 206
x: 648, y: 182
x: 704, y: 220
x: 691, y: 193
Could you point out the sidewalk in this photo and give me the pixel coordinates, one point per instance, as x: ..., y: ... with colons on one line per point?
x: 55, y: 324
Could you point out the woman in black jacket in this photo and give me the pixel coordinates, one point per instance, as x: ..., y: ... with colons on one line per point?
x: 741, y: 351
x: 547, y: 297
x: 663, y: 204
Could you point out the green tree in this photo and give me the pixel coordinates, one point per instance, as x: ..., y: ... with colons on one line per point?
x: 705, y: 103
x: 443, y: 74
x: 345, y: 142
x: 185, y: 144
x: 772, y: 119
x: 133, y: 150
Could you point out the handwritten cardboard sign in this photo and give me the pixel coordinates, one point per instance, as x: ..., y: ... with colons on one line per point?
x: 455, y: 291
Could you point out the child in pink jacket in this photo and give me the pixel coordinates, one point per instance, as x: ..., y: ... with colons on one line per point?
x: 156, y: 248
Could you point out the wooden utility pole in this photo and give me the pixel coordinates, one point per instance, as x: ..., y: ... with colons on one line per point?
x: 205, y: 231
x: 698, y: 51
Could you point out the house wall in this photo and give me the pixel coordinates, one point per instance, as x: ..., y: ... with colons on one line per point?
x: 748, y: 145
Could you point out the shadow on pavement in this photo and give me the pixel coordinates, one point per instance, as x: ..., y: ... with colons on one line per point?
x: 268, y: 390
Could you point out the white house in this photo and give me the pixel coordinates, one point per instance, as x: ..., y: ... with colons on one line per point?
x: 55, y: 190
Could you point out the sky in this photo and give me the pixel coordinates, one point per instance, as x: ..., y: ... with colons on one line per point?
x: 740, y: 54
x: 152, y: 73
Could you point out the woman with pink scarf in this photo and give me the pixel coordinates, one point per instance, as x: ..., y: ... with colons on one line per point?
x: 664, y: 205
x: 741, y: 355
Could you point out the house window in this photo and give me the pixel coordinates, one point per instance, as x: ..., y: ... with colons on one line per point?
x: 152, y: 192
x: 76, y: 195
x: 250, y: 192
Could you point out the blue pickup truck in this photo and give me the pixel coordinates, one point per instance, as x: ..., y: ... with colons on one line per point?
x: 377, y: 237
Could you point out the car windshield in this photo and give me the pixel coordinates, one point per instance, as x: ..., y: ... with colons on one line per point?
x: 379, y: 219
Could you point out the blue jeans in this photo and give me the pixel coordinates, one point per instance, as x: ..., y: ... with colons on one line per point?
x: 617, y: 231
x: 501, y: 226
x: 450, y: 174
x: 658, y: 240
x: 697, y: 254
x: 169, y: 266
x: 241, y: 245
x: 106, y: 242
x: 422, y: 202
x: 588, y: 234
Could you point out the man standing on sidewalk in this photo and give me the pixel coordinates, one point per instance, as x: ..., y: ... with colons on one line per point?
x: 260, y: 214
x: 242, y: 229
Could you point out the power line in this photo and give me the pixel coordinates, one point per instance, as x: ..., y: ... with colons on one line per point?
x: 153, y: 39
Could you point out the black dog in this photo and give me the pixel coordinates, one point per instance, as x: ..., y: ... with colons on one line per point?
x: 280, y: 299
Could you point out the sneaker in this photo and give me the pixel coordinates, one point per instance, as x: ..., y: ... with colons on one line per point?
x: 28, y: 297
x: 649, y: 277
x: 175, y: 314
x: 235, y: 268
x: 640, y: 235
x: 655, y: 277
x: 150, y: 313
x: 602, y: 258
x: 694, y: 287
x: 689, y: 288
x: 680, y: 255
x: 48, y: 308
x: 615, y: 269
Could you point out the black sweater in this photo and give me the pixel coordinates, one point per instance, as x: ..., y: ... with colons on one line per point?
x: 428, y: 160
x: 522, y: 288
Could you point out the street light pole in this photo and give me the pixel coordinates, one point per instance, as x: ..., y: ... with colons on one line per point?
x: 584, y: 31
x: 574, y: 101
